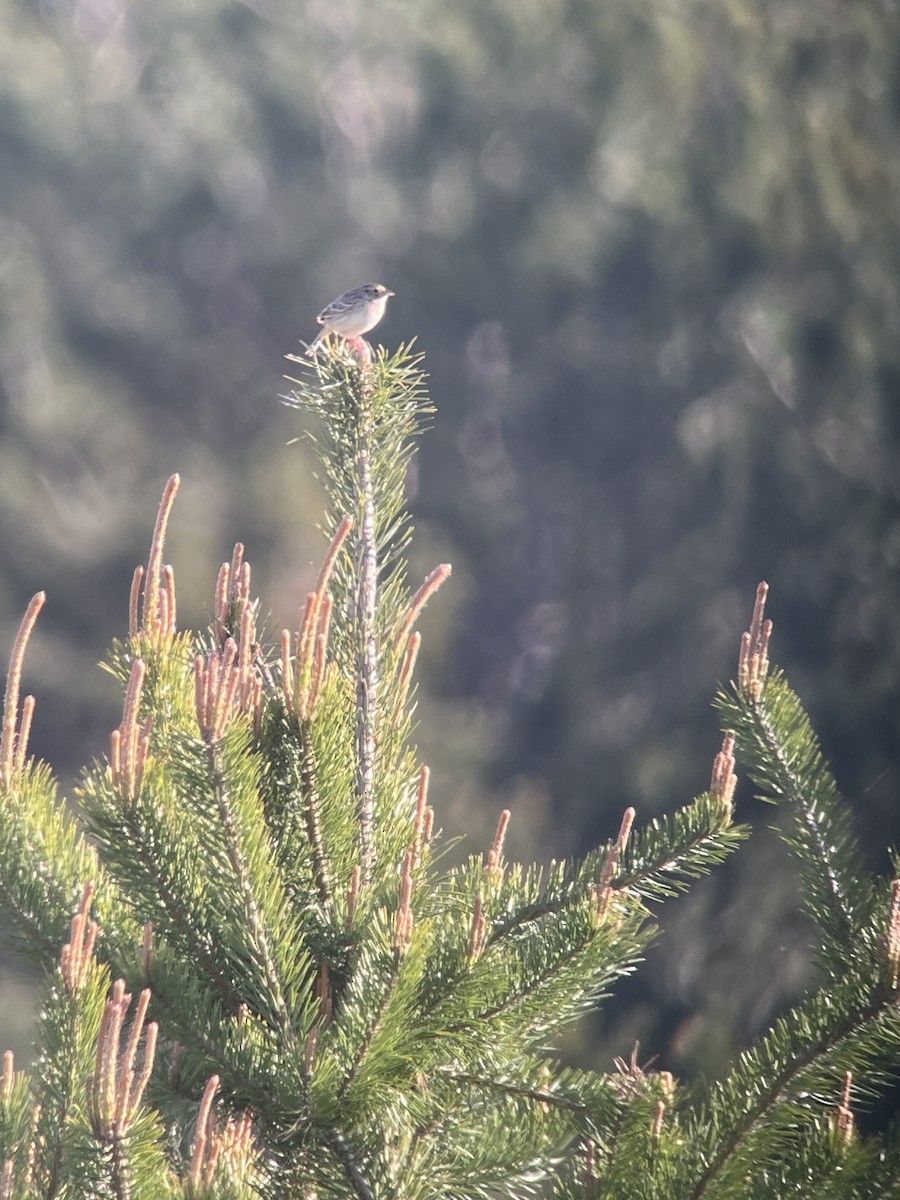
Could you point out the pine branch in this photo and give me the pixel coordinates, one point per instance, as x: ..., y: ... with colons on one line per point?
x: 368, y: 415
x: 366, y: 638
x: 310, y: 799
x: 355, y: 1177
x: 32, y: 929
x: 774, y: 733
x: 579, y: 1098
x: 44, y: 857
x: 206, y: 1037
x: 656, y: 861
x: 804, y: 1049
x: 662, y: 858
x: 182, y: 918
x: 374, y: 1021
x: 258, y: 935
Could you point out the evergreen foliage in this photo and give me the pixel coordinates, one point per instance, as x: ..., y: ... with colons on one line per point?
x: 652, y: 253
x: 332, y: 1011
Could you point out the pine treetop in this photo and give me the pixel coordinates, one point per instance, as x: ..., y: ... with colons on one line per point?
x: 263, y: 980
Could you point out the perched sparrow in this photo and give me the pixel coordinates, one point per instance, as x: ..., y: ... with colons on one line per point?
x: 353, y: 313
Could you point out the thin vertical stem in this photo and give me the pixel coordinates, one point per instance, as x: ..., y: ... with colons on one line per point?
x: 13, y: 684
x: 155, y: 563
x: 367, y: 644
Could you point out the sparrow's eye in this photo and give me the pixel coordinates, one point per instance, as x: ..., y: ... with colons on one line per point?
x: 380, y: 289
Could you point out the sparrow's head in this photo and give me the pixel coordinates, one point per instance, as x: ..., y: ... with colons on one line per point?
x: 377, y: 291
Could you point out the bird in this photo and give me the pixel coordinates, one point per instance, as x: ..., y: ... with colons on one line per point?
x: 353, y: 312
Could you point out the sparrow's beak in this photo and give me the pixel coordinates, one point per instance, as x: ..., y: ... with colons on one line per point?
x: 392, y: 293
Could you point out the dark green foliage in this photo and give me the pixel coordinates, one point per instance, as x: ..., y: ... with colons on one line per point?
x: 786, y: 762
x: 651, y: 252
x: 373, y: 1024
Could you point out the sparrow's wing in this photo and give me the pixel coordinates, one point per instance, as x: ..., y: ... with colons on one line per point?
x: 329, y: 312
x: 338, y: 307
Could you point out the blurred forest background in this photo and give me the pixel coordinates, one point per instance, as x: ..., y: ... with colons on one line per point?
x: 652, y: 253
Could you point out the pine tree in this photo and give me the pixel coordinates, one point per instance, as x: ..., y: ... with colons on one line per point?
x: 261, y: 980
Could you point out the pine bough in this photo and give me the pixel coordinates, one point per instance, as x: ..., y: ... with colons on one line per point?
x: 260, y: 982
